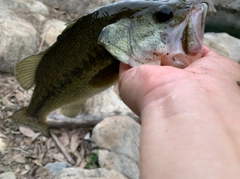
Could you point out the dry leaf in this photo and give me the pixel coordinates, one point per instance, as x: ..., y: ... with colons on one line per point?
x: 41, y: 156
x: 24, y: 172
x: 35, y: 136
x: 83, y: 164
x: 19, y: 159
x: 37, y: 162
x: 74, y: 142
x: 44, y: 139
x: 2, y: 135
x: 2, y: 145
x: 56, y: 131
x: 27, y: 167
x: 59, y: 157
x: 87, y: 136
x: 82, y: 151
x: 26, y: 131
x: 64, y: 139
x: 79, y: 159
x: 48, y: 143
x: 17, y: 170
x: 28, y: 141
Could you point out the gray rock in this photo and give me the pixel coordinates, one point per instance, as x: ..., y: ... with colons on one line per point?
x: 104, y: 103
x: 223, y: 44
x: 37, y: 7
x: 118, y: 162
x: 120, y: 136
x: 82, y: 7
x: 56, y: 167
x: 18, y: 39
x: 7, y: 175
x: 226, y: 19
x: 231, y: 4
x: 51, y: 30
x: 78, y: 173
x: 23, y: 6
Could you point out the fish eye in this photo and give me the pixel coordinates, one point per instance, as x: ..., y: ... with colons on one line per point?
x: 164, y: 14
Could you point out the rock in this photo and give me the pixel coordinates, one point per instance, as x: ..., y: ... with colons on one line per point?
x: 118, y: 162
x: 37, y: 8
x: 223, y: 44
x: 106, y: 102
x: 7, y: 175
x: 33, y: 6
x: 52, y: 29
x: 120, y: 137
x: 43, y: 173
x: 78, y: 173
x: 230, y: 10
x: 231, y: 4
x: 56, y: 167
x: 18, y: 39
x: 82, y: 7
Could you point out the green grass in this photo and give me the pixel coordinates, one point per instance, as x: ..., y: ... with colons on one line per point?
x: 92, y: 161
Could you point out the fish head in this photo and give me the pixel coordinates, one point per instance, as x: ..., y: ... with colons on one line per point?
x: 169, y: 33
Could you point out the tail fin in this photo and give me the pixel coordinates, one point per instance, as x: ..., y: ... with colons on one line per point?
x: 22, y: 117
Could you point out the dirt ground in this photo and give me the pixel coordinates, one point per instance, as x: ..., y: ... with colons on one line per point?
x: 23, y: 150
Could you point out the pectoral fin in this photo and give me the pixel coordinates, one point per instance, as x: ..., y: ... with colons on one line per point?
x: 26, y: 69
x: 72, y: 110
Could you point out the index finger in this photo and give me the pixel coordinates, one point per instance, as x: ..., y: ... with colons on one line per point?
x: 205, y: 50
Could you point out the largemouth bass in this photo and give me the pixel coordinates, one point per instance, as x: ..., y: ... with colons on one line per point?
x: 85, y: 58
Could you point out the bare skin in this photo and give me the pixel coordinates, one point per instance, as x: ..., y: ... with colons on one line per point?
x: 190, y: 118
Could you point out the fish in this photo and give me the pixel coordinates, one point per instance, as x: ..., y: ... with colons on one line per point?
x: 85, y: 58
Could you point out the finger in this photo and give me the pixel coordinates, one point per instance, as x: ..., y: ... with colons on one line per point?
x: 123, y: 68
x: 205, y: 50
x: 215, y: 63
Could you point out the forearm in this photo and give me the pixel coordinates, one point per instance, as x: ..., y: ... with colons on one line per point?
x: 189, y: 145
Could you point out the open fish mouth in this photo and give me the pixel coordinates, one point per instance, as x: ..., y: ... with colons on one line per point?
x: 187, y: 38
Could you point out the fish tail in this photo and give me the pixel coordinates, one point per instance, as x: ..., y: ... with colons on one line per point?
x: 22, y: 117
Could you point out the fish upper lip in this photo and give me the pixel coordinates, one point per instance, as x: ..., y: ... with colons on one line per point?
x: 195, y: 26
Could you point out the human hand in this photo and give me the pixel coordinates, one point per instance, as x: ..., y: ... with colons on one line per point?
x: 190, y: 117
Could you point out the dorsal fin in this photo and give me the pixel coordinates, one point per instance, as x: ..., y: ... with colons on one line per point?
x: 26, y: 69
x: 69, y: 25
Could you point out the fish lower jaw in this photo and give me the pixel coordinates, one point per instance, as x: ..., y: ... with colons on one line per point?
x: 136, y: 62
x: 179, y: 60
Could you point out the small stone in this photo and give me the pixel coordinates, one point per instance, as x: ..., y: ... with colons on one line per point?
x: 7, y: 175
x: 120, y: 136
x: 78, y: 173
x: 56, y: 167
x: 20, y: 159
x: 52, y: 29
x: 118, y: 162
